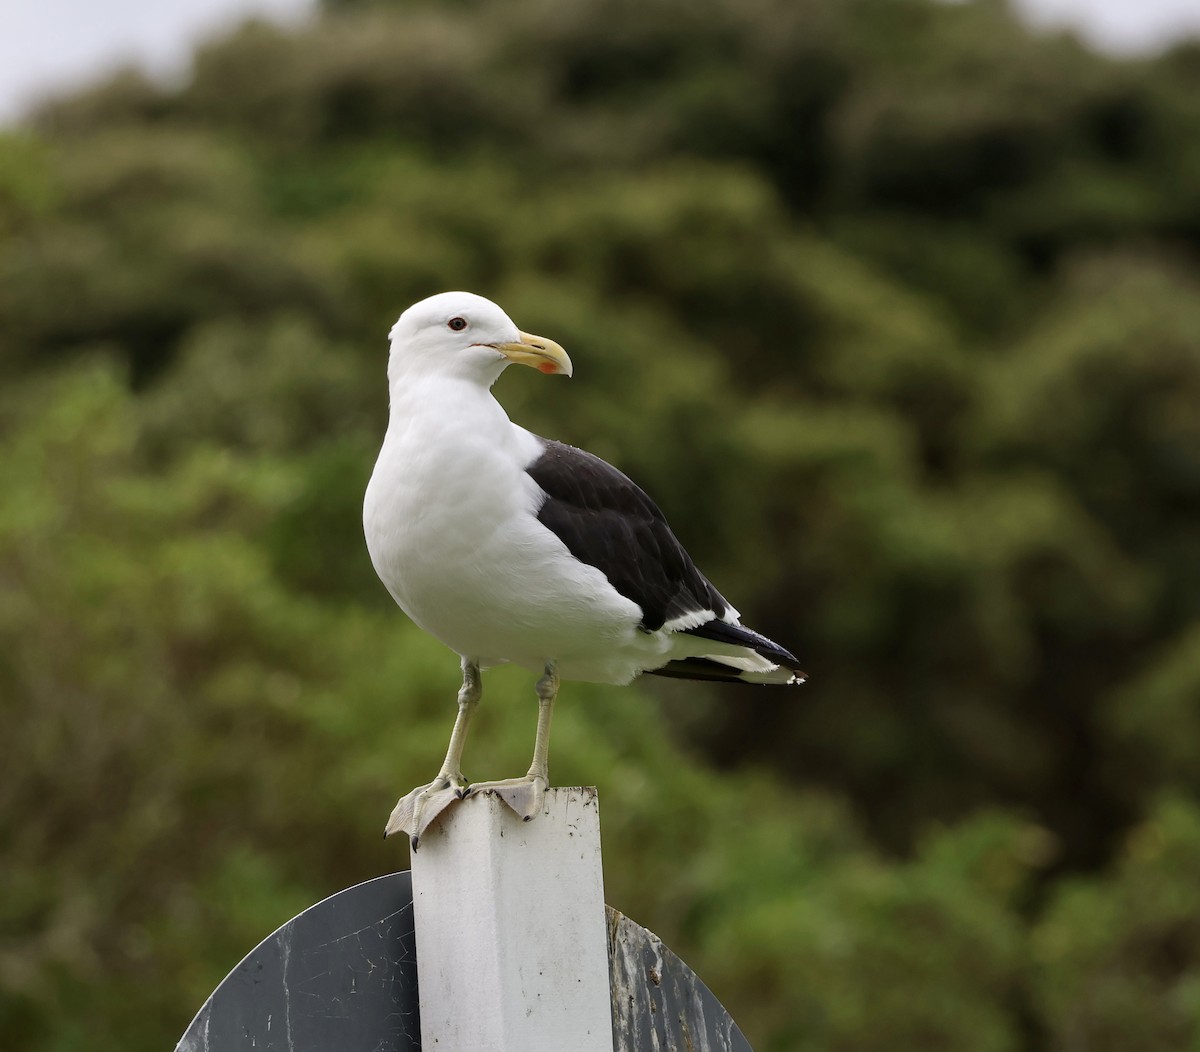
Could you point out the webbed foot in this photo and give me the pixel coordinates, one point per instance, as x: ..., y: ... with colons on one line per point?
x: 524, y: 795
x: 415, y: 812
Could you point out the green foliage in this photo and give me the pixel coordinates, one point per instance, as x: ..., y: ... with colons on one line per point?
x: 1119, y: 960
x: 891, y: 305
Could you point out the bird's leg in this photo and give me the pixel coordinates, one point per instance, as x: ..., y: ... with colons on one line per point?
x: 418, y: 809
x: 525, y: 795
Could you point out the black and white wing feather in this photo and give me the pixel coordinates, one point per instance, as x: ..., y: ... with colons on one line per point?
x: 608, y: 521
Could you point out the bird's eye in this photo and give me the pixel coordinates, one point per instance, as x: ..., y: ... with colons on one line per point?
x: 457, y: 324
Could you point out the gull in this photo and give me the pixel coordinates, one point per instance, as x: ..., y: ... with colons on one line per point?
x: 509, y: 547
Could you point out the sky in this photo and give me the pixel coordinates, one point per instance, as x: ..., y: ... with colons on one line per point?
x: 52, y: 46
x: 1121, y: 27
x: 56, y: 45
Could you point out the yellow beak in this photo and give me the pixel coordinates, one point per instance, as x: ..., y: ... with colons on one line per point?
x: 538, y: 353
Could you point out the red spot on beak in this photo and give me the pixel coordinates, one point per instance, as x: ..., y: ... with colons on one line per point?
x: 547, y: 368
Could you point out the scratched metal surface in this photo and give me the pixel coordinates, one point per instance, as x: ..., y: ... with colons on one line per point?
x: 340, y: 977
x: 659, y: 1004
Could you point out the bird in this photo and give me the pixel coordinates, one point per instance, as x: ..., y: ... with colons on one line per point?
x: 509, y: 547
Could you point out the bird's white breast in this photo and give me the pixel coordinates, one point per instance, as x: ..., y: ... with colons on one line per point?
x: 450, y: 518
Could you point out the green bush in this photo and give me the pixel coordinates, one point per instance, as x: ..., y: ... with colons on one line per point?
x: 891, y: 305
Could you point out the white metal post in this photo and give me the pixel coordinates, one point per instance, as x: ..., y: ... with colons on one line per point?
x: 512, y: 951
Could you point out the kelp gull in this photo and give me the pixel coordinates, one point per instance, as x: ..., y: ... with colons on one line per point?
x: 513, y: 548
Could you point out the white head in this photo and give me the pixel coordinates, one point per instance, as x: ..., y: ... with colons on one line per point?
x: 463, y: 335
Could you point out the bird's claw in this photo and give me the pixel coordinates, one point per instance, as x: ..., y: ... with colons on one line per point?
x: 416, y: 811
x: 524, y: 795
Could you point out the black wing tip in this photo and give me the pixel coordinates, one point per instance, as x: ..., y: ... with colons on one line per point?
x: 700, y: 668
x: 739, y: 635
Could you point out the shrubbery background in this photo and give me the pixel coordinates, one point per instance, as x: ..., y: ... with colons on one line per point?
x: 894, y: 306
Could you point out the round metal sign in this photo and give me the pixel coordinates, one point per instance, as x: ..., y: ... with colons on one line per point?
x: 342, y: 977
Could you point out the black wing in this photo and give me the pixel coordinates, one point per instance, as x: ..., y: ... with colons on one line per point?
x: 606, y: 520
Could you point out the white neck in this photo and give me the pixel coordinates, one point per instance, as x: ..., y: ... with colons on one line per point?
x: 481, y: 369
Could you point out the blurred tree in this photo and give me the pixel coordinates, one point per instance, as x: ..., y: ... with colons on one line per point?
x: 1119, y: 959
x: 891, y: 304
